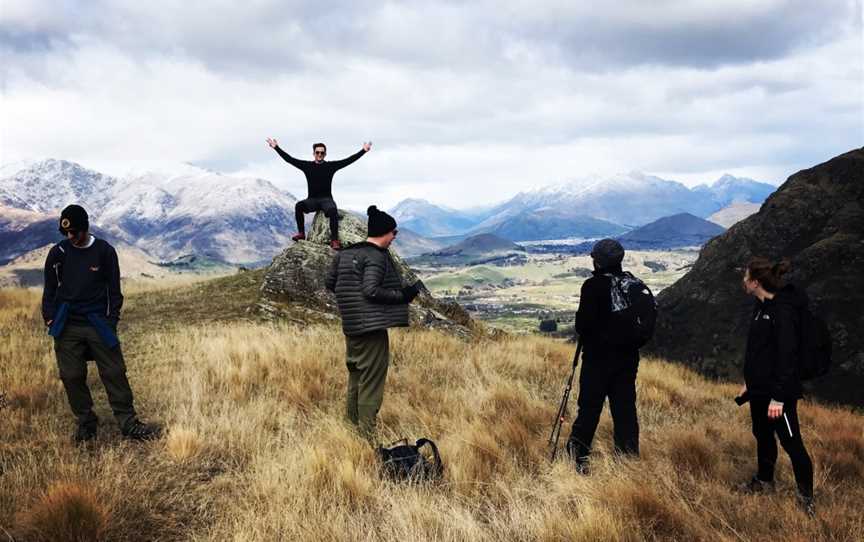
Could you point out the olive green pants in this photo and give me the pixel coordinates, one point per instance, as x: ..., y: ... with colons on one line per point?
x: 368, y: 357
x: 73, y: 348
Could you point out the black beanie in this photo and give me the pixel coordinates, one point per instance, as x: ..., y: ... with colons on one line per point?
x: 74, y: 218
x: 607, y: 253
x: 379, y: 222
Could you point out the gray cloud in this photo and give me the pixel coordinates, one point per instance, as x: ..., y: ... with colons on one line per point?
x: 480, y: 97
x: 271, y: 38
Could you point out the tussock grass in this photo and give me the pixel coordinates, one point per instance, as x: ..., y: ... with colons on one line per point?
x: 256, y: 448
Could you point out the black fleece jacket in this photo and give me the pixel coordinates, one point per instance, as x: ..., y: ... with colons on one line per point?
x: 82, y: 276
x: 319, y: 175
x: 771, y: 359
x: 593, y: 322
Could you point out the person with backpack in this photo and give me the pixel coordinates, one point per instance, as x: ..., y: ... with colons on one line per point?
x: 772, y: 365
x: 371, y: 299
x: 81, y: 303
x: 615, y: 318
x: 319, y: 180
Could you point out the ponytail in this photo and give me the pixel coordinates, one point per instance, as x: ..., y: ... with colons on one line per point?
x: 769, y: 274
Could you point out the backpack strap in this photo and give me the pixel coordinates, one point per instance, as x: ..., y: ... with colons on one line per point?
x: 437, y: 465
x: 63, y: 247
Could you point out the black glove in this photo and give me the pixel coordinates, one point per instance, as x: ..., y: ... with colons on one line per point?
x: 743, y: 398
x: 410, y: 292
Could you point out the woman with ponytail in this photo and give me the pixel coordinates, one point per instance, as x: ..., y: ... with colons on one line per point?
x: 771, y: 375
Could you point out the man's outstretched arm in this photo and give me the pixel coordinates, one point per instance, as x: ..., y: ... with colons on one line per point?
x: 300, y: 164
x: 339, y: 164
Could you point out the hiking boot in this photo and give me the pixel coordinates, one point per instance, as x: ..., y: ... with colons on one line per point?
x: 85, y: 433
x: 298, y: 237
x: 580, y: 462
x: 137, y: 430
x: 807, y: 504
x: 335, y: 244
x: 757, y: 487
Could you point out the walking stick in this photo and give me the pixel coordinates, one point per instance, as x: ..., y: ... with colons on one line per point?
x: 562, y: 408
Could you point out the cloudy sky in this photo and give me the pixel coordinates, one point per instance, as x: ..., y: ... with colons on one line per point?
x: 466, y: 102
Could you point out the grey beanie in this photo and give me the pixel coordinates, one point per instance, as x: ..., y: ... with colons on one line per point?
x: 607, y: 253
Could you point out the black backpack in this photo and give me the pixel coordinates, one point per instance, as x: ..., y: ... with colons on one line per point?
x: 406, y: 462
x: 815, y: 346
x: 634, y: 311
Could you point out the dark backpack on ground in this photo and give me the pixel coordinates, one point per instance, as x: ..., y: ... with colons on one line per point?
x: 406, y: 462
x: 634, y: 311
x: 815, y: 346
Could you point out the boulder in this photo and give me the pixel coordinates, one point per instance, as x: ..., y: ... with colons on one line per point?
x: 295, y: 280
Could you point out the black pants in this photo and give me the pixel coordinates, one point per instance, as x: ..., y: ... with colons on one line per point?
x: 77, y: 344
x: 597, y: 381
x: 787, y: 430
x: 310, y: 205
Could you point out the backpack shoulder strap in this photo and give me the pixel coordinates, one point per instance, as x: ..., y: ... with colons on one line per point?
x: 438, y: 465
x: 63, y: 251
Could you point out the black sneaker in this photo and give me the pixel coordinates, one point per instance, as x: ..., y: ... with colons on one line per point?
x: 137, y: 430
x: 757, y: 487
x: 807, y: 505
x: 85, y: 433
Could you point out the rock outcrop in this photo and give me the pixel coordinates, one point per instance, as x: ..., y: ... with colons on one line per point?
x: 816, y: 219
x: 295, y: 280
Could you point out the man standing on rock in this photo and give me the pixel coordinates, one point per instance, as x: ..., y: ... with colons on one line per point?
x: 371, y: 299
x: 610, y: 359
x: 319, y: 180
x: 81, y: 305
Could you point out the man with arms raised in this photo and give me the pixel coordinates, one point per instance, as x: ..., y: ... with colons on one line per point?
x: 319, y: 180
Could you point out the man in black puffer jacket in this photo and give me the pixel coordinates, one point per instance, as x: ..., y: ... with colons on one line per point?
x: 371, y: 299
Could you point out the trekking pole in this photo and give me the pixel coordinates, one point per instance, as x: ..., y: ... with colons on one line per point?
x: 562, y: 408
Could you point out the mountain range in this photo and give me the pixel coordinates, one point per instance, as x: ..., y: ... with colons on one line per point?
x: 587, y: 207
x: 246, y: 220
x: 166, y: 214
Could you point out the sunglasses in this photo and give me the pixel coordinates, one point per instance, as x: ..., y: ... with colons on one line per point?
x: 322, y: 153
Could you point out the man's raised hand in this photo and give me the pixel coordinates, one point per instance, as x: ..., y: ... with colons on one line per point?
x: 367, y: 146
x: 272, y: 142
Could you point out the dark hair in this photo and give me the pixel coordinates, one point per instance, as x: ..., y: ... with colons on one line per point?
x: 768, y: 273
x: 316, y: 145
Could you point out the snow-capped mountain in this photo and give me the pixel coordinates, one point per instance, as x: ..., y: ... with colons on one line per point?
x: 729, y: 189
x: 166, y: 214
x: 630, y: 199
x: 431, y: 220
x: 50, y: 184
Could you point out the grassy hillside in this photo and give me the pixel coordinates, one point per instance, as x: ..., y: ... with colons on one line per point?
x: 256, y: 449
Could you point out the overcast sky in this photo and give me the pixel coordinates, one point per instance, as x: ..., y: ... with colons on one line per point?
x: 466, y: 103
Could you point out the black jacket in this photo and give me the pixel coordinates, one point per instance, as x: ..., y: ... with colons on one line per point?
x: 593, y: 322
x: 83, y: 277
x: 319, y: 175
x: 771, y: 360
x: 368, y: 289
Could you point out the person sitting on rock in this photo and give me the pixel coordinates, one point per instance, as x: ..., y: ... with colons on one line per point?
x: 81, y: 305
x: 371, y: 299
x: 319, y: 180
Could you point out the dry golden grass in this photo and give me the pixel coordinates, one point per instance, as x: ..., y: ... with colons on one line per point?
x: 256, y: 448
